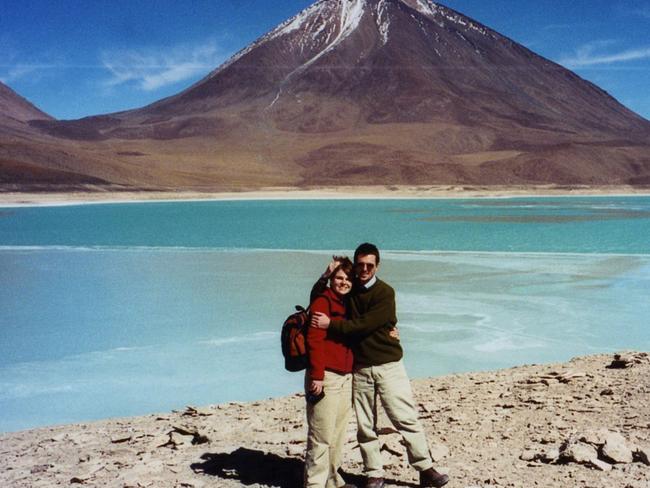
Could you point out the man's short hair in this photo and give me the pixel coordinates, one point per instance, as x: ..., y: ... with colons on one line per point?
x: 366, y: 249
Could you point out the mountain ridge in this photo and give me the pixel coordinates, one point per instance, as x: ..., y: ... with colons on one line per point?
x: 372, y: 92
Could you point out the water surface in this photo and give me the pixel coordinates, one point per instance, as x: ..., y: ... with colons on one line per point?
x: 127, y: 309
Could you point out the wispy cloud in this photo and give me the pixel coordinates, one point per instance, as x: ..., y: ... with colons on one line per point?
x: 551, y: 27
x: 13, y: 72
x: 153, y: 68
x: 592, y: 54
x: 16, y: 65
x: 642, y: 12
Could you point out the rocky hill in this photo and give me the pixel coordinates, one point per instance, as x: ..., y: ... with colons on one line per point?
x: 585, y: 423
x: 16, y: 111
x: 368, y: 92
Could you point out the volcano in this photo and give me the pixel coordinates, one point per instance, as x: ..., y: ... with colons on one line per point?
x: 368, y: 92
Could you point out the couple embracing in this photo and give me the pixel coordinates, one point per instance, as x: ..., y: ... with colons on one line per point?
x: 355, y: 353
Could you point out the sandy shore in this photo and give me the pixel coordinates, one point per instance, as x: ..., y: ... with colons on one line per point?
x: 584, y: 423
x: 360, y: 192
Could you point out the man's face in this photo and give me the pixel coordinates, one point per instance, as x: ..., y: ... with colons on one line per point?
x: 366, y: 267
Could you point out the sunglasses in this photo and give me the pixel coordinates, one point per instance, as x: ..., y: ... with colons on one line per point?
x: 368, y: 266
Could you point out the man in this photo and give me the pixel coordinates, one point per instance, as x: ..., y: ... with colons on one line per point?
x: 378, y: 370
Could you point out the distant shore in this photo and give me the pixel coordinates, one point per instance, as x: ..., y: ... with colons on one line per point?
x: 581, y: 423
x: 12, y: 198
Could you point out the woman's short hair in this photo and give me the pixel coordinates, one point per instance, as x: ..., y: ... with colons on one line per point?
x: 344, y: 265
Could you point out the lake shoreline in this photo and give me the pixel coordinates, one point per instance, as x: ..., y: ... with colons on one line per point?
x: 531, y: 425
x: 14, y: 199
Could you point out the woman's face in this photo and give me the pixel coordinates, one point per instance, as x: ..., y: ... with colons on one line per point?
x: 340, y: 283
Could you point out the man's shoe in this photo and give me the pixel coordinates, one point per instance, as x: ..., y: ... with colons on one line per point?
x: 430, y: 477
x: 375, y: 483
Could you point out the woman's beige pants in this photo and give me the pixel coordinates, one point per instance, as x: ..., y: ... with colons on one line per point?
x: 328, y: 421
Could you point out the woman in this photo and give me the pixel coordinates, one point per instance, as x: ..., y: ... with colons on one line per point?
x: 328, y: 382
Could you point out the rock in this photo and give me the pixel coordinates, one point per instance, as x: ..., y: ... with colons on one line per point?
x: 607, y: 392
x: 456, y: 418
x: 595, y: 437
x: 627, y: 360
x: 76, y: 480
x: 429, y: 407
x: 160, y: 441
x: 550, y: 455
x: 187, y: 483
x: 438, y: 451
x: 179, y: 440
x: 120, y: 439
x: 191, y: 411
x: 600, y: 465
x: 197, y: 437
x: 536, y: 400
x: 578, y: 452
x: 616, y: 450
x: 529, y: 455
x: 568, y: 376
x: 40, y: 468
x: 619, y: 363
x: 642, y: 455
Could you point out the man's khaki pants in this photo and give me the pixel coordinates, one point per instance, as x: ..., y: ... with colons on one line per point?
x: 392, y: 386
x: 328, y: 421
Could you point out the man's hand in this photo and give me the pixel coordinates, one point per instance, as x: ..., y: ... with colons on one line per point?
x: 320, y: 320
x: 316, y: 386
x: 394, y: 333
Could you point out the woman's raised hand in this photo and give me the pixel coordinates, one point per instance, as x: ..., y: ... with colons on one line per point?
x: 331, y: 266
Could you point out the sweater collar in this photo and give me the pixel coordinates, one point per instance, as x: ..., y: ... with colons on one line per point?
x: 369, y: 285
x: 333, y: 295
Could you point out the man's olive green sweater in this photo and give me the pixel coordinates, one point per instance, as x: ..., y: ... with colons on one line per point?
x: 371, y: 316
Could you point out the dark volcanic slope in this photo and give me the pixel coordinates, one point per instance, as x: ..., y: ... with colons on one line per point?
x: 15, y: 111
x: 27, y: 158
x: 402, y: 61
x: 378, y: 92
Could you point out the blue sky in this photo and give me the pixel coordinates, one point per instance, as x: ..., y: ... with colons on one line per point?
x: 74, y: 58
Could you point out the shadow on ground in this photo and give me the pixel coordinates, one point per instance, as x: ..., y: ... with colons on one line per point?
x: 251, y: 467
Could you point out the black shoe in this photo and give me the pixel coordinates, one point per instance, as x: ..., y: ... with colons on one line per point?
x: 430, y: 477
x: 375, y: 483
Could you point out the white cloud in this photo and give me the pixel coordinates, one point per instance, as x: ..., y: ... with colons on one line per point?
x: 643, y: 12
x: 16, y: 65
x: 12, y: 72
x: 592, y: 54
x: 150, y: 68
x: 558, y: 27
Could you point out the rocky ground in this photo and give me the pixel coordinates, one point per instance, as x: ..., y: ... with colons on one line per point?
x: 585, y: 423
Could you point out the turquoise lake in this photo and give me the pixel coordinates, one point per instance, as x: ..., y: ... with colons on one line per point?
x: 126, y: 309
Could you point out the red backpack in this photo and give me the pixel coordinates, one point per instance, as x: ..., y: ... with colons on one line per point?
x: 294, y: 340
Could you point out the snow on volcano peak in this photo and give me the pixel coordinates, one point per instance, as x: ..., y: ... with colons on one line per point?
x: 383, y: 20
x: 351, y: 14
x: 296, y: 22
x: 426, y: 7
